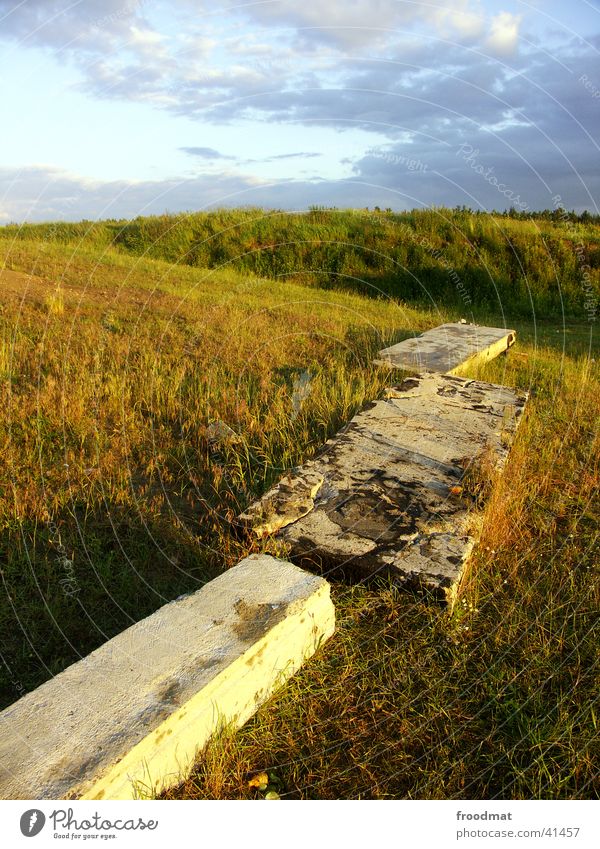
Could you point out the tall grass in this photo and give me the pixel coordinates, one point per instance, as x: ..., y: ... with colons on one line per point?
x: 469, y: 260
x: 112, y: 499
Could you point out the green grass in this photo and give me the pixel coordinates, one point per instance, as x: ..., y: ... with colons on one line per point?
x: 112, y: 365
x: 467, y: 260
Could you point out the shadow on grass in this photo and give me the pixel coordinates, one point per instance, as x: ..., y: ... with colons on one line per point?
x: 73, y: 584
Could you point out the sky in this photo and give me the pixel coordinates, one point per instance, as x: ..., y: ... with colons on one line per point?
x: 118, y: 108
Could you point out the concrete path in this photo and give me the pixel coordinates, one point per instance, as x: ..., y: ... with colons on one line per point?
x: 388, y: 494
x: 448, y: 348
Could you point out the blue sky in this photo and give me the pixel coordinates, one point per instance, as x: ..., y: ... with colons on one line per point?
x: 125, y: 107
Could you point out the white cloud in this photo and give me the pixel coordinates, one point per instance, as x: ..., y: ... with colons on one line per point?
x: 348, y: 24
x: 463, y: 18
x: 197, y: 46
x: 302, y: 63
x: 69, y: 26
x: 45, y: 194
x: 146, y: 40
x: 504, y: 34
x: 357, y: 23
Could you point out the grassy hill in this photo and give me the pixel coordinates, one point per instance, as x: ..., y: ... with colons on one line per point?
x: 121, y: 342
x: 471, y: 261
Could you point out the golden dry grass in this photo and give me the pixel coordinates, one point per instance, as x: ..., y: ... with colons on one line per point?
x: 112, y: 502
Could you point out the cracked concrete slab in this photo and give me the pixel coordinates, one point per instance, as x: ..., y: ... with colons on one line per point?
x: 396, y: 485
x: 448, y: 348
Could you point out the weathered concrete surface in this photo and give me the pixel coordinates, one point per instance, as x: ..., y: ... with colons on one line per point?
x: 394, y: 496
x: 139, y: 708
x: 290, y: 500
x: 448, y: 348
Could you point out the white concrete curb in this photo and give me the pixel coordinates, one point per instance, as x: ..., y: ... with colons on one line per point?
x: 129, y: 719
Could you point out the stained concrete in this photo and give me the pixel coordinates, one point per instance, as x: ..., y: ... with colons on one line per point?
x: 448, y: 348
x: 129, y: 719
x: 290, y: 500
x: 397, y: 484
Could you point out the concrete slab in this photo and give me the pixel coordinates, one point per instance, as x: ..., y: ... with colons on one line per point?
x: 394, y: 484
x: 448, y: 348
x: 130, y: 718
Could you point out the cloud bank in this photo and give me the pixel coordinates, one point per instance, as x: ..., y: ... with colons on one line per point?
x: 481, y: 98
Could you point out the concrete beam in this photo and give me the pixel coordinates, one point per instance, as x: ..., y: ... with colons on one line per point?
x: 129, y: 719
x: 448, y: 349
x: 394, y: 494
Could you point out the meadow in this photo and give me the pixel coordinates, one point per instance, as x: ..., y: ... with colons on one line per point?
x: 120, y: 344
x: 492, y: 262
